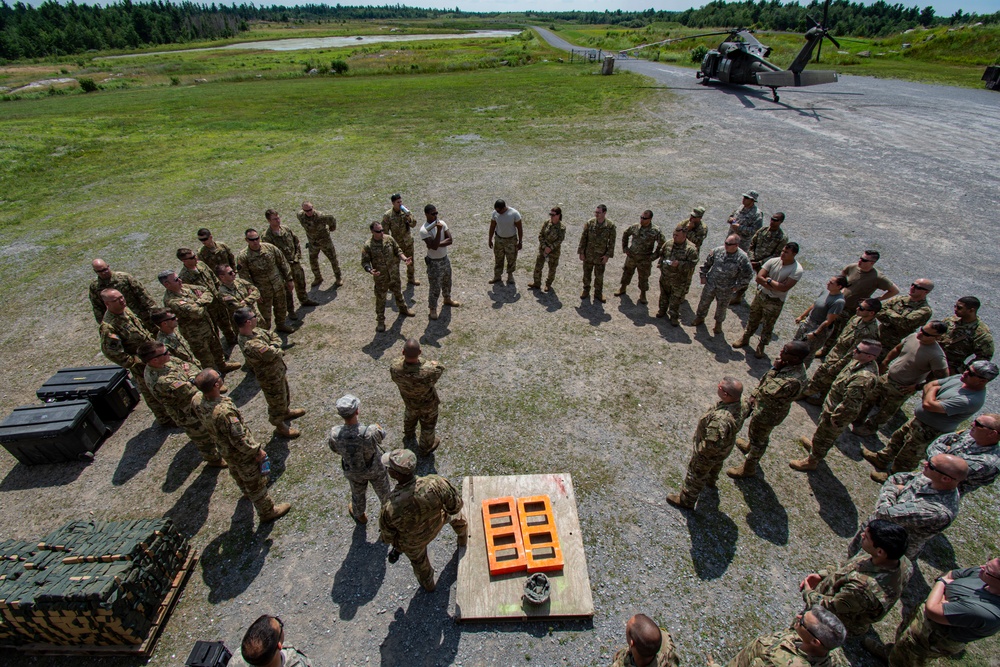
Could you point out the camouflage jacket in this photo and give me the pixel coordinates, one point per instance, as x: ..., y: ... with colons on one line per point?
x: 172, y: 386
x: 416, y: 511
x: 382, y: 256
x: 224, y: 422
x: 551, y: 236
x: 917, y: 506
x: 899, y: 317
x: 597, y: 240
x: 177, y: 347
x: 849, y: 391
x: 187, y: 306
x: 262, y: 350
x: 241, y: 294
x: 782, y: 650
x: 137, y: 298
x: 855, y: 331
x: 643, y: 242
x: 665, y: 657
x: 266, y: 268
x: 201, y: 277
x: 777, y: 389
x: 285, y: 241
x: 859, y: 592
x: 961, y: 340
x: 984, y: 462
x: 121, y: 336
x: 766, y: 244
x: 717, y: 428
x: 359, y: 446
x: 318, y: 226
x: 747, y: 221
x: 416, y: 381
x: 696, y: 234
x: 685, y: 255
x: 398, y: 224
x: 723, y: 270
x: 220, y: 254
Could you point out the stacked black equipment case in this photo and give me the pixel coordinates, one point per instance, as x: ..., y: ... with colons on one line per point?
x: 52, y: 433
x: 107, y: 387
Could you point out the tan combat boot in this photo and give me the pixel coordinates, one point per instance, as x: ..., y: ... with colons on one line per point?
x: 642, y: 297
x: 309, y: 302
x: 675, y: 500
x: 284, y: 431
x: 278, y: 511
x: 742, y: 342
x: 231, y: 366
x: 433, y: 314
x: 621, y: 291
x: 220, y: 463
x: 717, y: 329
x: 448, y: 301
x: 295, y: 413
x: 284, y: 328
x: 339, y: 282
x: 759, y: 352
x: 748, y: 469
x: 409, y: 312
x: 380, y: 327
x: 743, y: 445
x: 317, y: 281
x: 698, y: 321
x: 360, y: 520
x: 807, y: 464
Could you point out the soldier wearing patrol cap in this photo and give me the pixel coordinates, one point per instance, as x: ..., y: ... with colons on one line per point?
x: 416, y: 511
x: 360, y: 450
x: 746, y: 220
x: 695, y: 227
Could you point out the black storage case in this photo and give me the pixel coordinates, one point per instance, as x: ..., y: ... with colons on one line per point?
x: 107, y: 387
x: 208, y: 654
x: 52, y: 433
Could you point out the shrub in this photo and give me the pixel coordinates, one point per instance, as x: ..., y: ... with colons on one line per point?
x: 698, y: 53
x: 338, y: 66
x: 88, y: 85
x: 175, y: 81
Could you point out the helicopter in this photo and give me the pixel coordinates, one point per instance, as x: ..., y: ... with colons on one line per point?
x: 742, y: 59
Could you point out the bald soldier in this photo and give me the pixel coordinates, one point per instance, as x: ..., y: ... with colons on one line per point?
x: 137, y: 298
x: 647, y: 645
x: 814, y: 640
x: 416, y: 379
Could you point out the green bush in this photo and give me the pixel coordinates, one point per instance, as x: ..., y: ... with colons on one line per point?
x: 698, y: 53
x: 175, y: 81
x: 338, y: 66
x: 88, y: 85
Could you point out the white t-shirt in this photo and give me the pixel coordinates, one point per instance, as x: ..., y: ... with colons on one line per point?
x: 505, y: 222
x: 428, y: 231
x: 779, y: 272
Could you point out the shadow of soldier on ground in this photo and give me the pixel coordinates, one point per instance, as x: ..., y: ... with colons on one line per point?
x: 916, y: 590
x: 190, y: 512
x: 638, y: 313
x: 836, y: 507
x: 716, y: 343
x: 593, y: 312
x: 424, y: 634
x: 767, y: 518
x: 383, y: 341
x: 502, y: 295
x: 713, y: 536
x: 139, y: 451
x: 185, y: 461
x: 437, y: 329
x: 548, y: 299
x: 242, y: 393
x: 231, y: 561
x: 939, y: 554
x: 360, y: 575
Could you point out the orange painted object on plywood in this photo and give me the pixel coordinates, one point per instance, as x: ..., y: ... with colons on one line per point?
x: 504, y: 546
x: 538, y: 530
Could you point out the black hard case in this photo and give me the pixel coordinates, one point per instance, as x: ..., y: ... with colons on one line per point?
x: 107, y: 387
x: 208, y: 654
x: 52, y: 433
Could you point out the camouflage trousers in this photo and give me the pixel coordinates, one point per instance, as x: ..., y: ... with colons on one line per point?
x: 406, y: 245
x: 253, y: 485
x: 827, y: 431
x: 299, y: 280
x: 721, y: 294
x: 272, y: 299
x: 889, y: 396
x: 504, y: 249
x: 597, y: 269
x: 920, y: 641
x: 673, y: 289
x: 359, y: 481
x: 644, y: 265
x: 824, y: 376
x: 159, y: 411
x: 385, y: 284
x: 764, y: 420
x: 276, y: 394
x: 203, y: 339
x: 324, y: 245
x: 439, y: 279
x: 418, y: 555
x: 223, y: 320
x: 908, y: 445
x: 703, y: 469
x: 808, y: 327
x: 764, y: 312
x: 553, y: 259
x: 427, y: 416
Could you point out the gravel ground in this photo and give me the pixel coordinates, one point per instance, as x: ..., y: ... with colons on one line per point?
x: 543, y: 383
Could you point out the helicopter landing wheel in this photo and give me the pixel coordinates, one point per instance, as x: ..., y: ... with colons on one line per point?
x: 774, y: 94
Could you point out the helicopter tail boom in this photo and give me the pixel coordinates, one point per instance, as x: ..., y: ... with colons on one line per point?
x: 787, y: 78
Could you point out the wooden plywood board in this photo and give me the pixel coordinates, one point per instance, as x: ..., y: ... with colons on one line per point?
x: 482, y: 597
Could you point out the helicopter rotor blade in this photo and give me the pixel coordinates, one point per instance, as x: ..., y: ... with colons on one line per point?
x: 826, y: 11
x: 835, y: 42
x: 678, y: 39
x: 812, y: 20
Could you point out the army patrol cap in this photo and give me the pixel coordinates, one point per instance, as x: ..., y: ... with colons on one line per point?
x: 347, y: 405
x: 698, y: 212
x: 402, y: 461
x: 752, y: 194
x: 984, y: 369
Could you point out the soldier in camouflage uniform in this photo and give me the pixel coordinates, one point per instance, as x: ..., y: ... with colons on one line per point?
x: 814, y: 640
x: 647, y: 645
x: 977, y: 447
x: 263, y: 351
x: 773, y: 279
x: 770, y: 402
x: 416, y: 379
x: 725, y: 270
x: 550, y: 240
x: 843, y: 404
x: 318, y: 227
x: 236, y: 293
x: 137, y: 298
x: 360, y: 450
x: 860, y: 327
x: 767, y: 243
x: 200, y: 276
x: 264, y: 644
x: 170, y: 380
x: 225, y: 424
x: 191, y: 308
x: 967, y: 336
x: 437, y: 237
x: 925, y: 503
x: 863, y: 590
x: 265, y: 266
x: 416, y: 511
x: 178, y: 348
x: 597, y: 246
x: 695, y: 227
x: 380, y: 257
x: 398, y: 221
x: 713, y: 440
x: 214, y: 253
x: 641, y: 243
x: 505, y: 238
x: 287, y: 242
x: 902, y: 315
x: 121, y: 335
x: 677, y: 263
x: 746, y: 220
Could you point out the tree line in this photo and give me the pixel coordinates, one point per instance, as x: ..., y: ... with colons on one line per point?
x: 54, y: 29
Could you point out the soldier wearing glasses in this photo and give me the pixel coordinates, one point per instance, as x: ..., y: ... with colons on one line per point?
x: 814, y: 640
x: 977, y: 447
x: 902, y: 315
x: 640, y: 243
x: 863, y: 280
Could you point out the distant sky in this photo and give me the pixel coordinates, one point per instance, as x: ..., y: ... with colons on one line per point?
x: 941, y: 7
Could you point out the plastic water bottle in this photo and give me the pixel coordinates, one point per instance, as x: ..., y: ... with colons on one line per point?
x: 403, y: 209
x: 265, y: 466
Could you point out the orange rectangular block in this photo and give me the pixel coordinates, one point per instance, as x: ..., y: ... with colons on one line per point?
x: 504, y: 547
x: 538, y: 530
